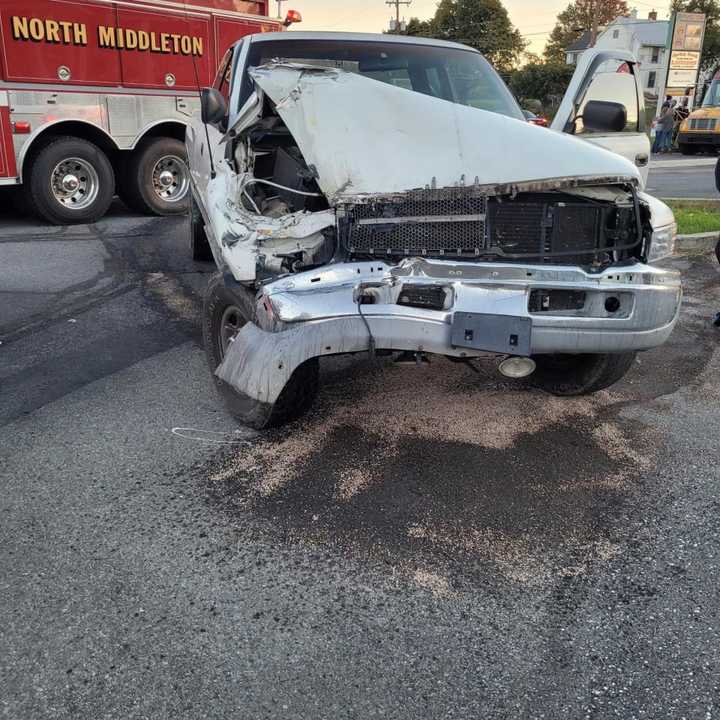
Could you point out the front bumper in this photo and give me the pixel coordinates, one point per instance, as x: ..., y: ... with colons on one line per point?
x: 317, y: 313
x: 698, y: 138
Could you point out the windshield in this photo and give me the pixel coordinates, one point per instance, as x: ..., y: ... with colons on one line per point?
x: 712, y: 96
x: 459, y: 76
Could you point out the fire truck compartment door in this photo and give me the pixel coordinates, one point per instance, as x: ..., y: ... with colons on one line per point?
x: 7, y: 152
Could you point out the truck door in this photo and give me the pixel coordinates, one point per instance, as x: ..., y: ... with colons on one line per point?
x: 608, y: 75
x: 197, y: 134
x: 7, y: 152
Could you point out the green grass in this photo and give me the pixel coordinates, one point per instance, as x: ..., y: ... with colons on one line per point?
x: 696, y: 216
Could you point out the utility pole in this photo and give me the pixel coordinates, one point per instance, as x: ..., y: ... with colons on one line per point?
x: 594, y: 27
x: 397, y: 4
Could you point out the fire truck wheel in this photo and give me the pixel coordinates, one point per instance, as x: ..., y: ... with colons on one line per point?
x: 157, y: 179
x: 70, y: 181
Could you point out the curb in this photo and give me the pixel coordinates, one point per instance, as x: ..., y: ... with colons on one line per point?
x: 697, y: 242
x: 683, y: 163
x: 692, y: 200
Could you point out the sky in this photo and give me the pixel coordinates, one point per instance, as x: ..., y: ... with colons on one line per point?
x: 534, y: 18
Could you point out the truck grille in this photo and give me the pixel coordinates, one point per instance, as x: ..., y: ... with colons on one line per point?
x: 423, y: 222
x: 459, y: 222
x: 518, y: 228
x: 699, y: 138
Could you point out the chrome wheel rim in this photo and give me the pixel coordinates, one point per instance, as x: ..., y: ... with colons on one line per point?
x: 230, y: 324
x: 170, y: 178
x: 74, y: 183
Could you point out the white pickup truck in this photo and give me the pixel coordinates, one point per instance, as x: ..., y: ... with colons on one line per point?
x: 369, y: 192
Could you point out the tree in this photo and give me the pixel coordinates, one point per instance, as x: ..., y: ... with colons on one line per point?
x: 576, y: 18
x: 711, y: 45
x: 415, y: 27
x: 482, y: 24
x: 545, y: 82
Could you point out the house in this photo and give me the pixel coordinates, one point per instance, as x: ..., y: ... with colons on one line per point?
x: 645, y: 38
x: 574, y: 51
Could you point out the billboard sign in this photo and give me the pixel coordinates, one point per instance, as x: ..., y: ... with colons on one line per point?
x: 684, y: 47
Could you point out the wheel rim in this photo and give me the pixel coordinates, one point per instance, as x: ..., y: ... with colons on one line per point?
x: 170, y: 178
x: 74, y: 183
x: 230, y: 324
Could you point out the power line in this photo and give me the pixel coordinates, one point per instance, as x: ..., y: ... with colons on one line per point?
x: 624, y: 24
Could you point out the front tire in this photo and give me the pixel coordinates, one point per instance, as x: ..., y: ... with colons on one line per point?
x: 156, y: 178
x: 569, y: 375
x: 224, y: 314
x: 686, y: 149
x: 70, y: 181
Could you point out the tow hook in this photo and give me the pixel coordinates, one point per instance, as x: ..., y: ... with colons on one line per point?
x: 412, y: 358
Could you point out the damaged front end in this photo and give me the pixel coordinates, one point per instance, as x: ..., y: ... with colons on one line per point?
x: 353, y: 247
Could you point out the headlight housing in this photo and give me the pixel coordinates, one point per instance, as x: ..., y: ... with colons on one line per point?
x: 662, y: 244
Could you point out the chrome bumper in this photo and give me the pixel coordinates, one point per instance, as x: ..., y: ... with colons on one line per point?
x: 317, y: 313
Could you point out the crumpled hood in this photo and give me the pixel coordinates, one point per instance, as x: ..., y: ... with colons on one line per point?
x: 366, y: 137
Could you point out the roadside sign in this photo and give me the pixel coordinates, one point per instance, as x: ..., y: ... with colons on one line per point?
x: 684, y: 46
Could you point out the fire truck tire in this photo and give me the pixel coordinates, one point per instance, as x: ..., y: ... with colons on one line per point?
x: 156, y: 180
x: 199, y: 245
x: 70, y: 180
x: 20, y: 201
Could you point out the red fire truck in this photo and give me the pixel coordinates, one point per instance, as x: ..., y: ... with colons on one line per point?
x: 95, y: 94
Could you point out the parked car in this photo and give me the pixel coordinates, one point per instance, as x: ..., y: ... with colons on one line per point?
x: 374, y: 193
x: 534, y: 119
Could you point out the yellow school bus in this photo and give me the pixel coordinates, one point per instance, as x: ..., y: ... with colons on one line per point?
x: 701, y: 130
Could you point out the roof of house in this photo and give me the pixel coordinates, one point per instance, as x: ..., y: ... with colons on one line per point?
x: 648, y: 32
x: 582, y: 43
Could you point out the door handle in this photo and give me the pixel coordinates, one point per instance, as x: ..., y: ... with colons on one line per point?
x: 642, y: 159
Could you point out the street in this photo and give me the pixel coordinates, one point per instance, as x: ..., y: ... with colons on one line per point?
x: 679, y: 177
x: 428, y: 542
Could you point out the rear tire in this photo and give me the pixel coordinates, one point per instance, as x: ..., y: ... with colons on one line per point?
x: 156, y: 178
x: 222, y: 304
x: 70, y: 180
x: 199, y: 245
x: 569, y: 375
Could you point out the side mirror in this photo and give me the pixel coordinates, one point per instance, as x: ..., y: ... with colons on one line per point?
x: 604, y: 116
x: 213, y: 108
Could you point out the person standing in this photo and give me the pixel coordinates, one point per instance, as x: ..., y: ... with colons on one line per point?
x: 682, y: 112
x: 663, y: 125
x: 670, y: 127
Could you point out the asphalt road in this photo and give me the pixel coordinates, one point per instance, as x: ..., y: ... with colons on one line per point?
x: 427, y: 543
x: 683, y: 181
